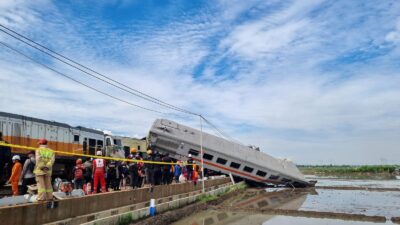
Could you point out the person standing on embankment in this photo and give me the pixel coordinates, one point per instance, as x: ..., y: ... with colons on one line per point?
x: 43, y: 169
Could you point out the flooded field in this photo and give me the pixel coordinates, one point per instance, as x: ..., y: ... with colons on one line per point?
x: 314, y: 206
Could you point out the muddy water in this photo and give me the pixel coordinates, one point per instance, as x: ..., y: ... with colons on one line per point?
x: 370, y: 203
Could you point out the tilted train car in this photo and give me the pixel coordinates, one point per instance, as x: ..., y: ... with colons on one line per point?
x: 26, y: 131
x: 224, y: 156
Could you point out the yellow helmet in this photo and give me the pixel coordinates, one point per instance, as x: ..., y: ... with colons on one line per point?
x: 133, y: 150
x: 149, y: 152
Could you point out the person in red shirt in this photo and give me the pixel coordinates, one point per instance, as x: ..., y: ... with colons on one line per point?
x: 78, y: 171
x: 99, y: 169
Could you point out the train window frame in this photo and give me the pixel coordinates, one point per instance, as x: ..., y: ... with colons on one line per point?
x: 248, y: 169
x: 193, y: 152
x: 261, y: 173
x: 208, y: 156
x: 76, y: 138
x: 221, y: 161
x: 286, y: 180
x: 235, y: 165
x: 274, y: 177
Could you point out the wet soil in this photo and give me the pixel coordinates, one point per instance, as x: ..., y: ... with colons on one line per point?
x: 177, y: 214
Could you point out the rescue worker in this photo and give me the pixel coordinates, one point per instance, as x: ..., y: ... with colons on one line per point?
x: 5, y: 156
x: 157, y: 169
x: 99, y: 169
x: 15, y: 174
x: 28, y: 177
x: 43, y: 168
x: 150, y: 168
x: 166, y: 172
x: 189, y: 167
x: 78, y: 171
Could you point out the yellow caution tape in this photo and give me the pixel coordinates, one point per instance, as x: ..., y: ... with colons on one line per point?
x: 89, y: 156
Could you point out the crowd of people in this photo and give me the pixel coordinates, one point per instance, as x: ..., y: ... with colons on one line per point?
x: 100, y: 175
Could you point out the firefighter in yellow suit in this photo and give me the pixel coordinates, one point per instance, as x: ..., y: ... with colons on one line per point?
x: 44, y: 163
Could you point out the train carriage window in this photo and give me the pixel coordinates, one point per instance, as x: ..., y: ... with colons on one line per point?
x: 222, y: 161
x: 100, y: 142
x: 76, y: 138
x: 286, y: 180
x: 235, y: 165
x: 193, y: 152
x: 248, y: 169
x: 273, y: 177
x: 261, y: 173
x: 208, y: 156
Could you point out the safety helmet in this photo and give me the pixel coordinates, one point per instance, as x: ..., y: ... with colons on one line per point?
x: 133, y: 150
x: 16, y: 157
x: 190, y: 155
x: 149, y: 152
x: 42, y: 141
x: 99, y: 153
x: 79, y: 161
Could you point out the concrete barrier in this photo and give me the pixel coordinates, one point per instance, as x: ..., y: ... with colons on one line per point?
x: 39, y: 213
x: 143, y: 212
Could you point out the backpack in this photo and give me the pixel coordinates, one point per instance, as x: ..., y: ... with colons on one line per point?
x: 31, y: 166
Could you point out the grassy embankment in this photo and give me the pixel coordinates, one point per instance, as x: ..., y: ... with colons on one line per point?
x: 381, y: 170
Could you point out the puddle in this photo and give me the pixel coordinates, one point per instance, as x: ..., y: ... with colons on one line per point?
x: 212, y: 217
x: 286, y: 220
x: 371, y: 203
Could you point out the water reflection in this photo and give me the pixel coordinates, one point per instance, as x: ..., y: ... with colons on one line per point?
x: 259, y: 199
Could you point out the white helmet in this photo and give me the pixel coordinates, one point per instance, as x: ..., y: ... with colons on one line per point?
x: 190, y: 155
x: 99, y: 153
x: 16, y: 157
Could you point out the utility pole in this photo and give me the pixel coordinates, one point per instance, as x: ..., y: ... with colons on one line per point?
x: 201, y: 151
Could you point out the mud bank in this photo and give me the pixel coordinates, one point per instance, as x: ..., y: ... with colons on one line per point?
x: 177, y: 214
x: 309, y: 214
x: 396, y: 220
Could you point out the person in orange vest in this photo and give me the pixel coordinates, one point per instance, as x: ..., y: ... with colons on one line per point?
x: 45, y: 158
x: 15, y: 174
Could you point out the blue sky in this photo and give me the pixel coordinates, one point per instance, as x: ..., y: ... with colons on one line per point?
x: 313, y: 81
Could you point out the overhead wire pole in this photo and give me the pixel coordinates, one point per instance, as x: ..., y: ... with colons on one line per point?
x: 201, y: 152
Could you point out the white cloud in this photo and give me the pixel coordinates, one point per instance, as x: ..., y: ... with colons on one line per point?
x: 274, y: 89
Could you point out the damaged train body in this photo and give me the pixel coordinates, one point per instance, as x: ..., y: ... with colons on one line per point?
x: 224, y: 156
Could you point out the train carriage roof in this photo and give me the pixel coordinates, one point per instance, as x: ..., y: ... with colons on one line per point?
x: 52, y: 123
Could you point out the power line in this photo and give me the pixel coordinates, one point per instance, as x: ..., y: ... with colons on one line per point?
x: 116, y: 83
x: 79, y: 82
x: 77, y: 66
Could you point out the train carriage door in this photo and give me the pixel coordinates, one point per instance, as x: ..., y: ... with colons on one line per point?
x: 92, y: 146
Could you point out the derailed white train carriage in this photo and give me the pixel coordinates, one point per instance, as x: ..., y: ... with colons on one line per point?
x: 224, y: 156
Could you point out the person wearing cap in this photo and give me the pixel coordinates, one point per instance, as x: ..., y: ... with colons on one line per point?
x: 99, y: 169
x: 45, y: 158
x: 28, y: 177
x: 15, y: 174
x: 150, y: 168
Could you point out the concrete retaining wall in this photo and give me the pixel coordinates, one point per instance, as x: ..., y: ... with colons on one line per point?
x: 143, y: 212
x: 38, y: 213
